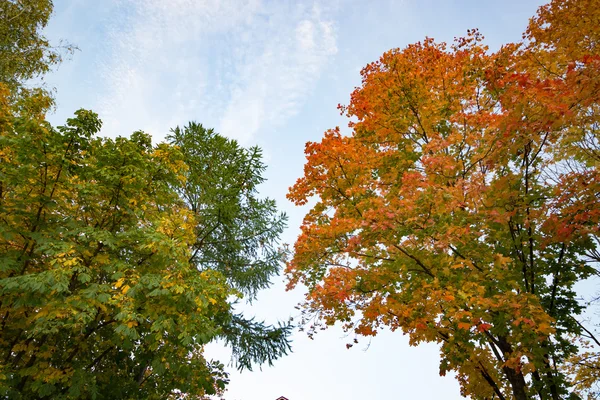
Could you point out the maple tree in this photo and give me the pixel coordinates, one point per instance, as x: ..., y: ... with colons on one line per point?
x: 463, y: 206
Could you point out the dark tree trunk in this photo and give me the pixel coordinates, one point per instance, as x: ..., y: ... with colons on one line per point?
x: 516, y: 379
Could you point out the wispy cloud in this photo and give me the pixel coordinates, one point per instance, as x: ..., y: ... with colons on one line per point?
x: 240, y: 66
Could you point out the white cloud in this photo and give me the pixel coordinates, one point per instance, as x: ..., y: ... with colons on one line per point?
x: 240, y: 66
x: 281, y: 73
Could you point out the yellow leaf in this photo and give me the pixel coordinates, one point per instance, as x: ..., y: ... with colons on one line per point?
x: 545, y: 328
x: 102, y: 258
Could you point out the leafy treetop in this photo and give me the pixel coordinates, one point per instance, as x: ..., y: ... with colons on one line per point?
x: 463, y: 207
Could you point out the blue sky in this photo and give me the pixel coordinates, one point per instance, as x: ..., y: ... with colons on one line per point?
x: 268, y: 73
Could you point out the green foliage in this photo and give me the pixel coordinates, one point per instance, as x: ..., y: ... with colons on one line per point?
x: 254, y: 343
x: 118, y: 259
x: 24, y: 52
x: 100, y: 294
x: 236, y: 232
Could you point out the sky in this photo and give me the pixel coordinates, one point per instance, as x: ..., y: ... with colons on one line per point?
x: 267, y: 73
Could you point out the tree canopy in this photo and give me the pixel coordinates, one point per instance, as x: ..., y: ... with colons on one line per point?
x: 463, y: 206
x: 119, y: 259
x: 105, y: 290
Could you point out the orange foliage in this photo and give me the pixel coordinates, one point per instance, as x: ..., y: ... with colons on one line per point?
x: 463, y: 206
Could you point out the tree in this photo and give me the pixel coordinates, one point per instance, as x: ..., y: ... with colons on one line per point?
x: 118, y: 262
x: 463, y: 208
x: 100, y: 293
x: 235, y: 229
x: 562, y: 49
x: 24, y: 52
x: 236, y: 232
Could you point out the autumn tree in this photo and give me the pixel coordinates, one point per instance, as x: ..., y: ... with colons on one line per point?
x: 558, y: 73
x: 463, y: 207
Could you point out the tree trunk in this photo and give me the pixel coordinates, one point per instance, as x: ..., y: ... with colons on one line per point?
x: 517, y: 381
